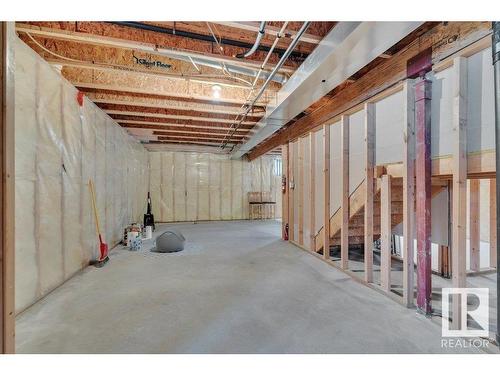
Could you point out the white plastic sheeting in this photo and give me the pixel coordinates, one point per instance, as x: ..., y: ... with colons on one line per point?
x: 59, y: 147
x: 191, y: 186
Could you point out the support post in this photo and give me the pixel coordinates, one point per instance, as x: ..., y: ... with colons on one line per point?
x: 459, y: 209
x: 369, y: 165
x: 284, y: 202
x: 385, y: 233
x: 326, y: 190
x: 493, y: 223
x: 312, y: 190
x: 474, y: 225
x: 344, y: 207
x: 408, y: 191
x: 423, y: 193
x: 496, y: 63
x: 300, y: 189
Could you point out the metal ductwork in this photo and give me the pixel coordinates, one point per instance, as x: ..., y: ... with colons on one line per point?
x: 347, y: 48
x: 260, y: 34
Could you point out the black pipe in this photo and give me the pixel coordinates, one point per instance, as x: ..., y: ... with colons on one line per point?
x: 496, y: 66
x: 203, y: 37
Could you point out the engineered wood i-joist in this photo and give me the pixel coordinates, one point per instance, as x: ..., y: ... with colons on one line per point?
x: 408, y: 191
x: 312, y: 190
x: 326, y: 191
x: 385, y: 233
x: 344, y: 177
x: 369, y: 181
x: 459, y: 220
x: 493, y: 223
x: 474, y: 220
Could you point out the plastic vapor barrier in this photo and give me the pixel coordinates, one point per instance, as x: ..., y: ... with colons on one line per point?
x: 191, y: 186
x: 60, y: 145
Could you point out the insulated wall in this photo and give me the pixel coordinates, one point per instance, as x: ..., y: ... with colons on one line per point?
x: 191, y: 186
x: 59, y: 146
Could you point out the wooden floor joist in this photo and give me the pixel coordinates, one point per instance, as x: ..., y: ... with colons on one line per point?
x: 459, y: 209
x: 344, y: 178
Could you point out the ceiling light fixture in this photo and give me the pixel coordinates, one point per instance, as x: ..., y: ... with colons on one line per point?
x: 216, y: 89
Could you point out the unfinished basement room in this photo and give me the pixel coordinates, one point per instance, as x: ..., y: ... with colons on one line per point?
x: 249, y: 187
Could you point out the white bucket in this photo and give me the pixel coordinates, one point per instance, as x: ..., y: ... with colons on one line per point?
x: 149, y: 232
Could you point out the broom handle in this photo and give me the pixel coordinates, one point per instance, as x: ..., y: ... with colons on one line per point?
x: 92, y: 193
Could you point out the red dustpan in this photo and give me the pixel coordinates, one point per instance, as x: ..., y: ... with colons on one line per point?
x: 103, y: 247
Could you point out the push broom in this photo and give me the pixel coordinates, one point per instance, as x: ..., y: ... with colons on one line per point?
x: 103, y: 247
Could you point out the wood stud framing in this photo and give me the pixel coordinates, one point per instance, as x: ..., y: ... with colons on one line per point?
x: 459, y: 220
x: 7, y: 188
x: 385, y: 233
x: 300, y: 188
x: 326, y: 192
x: 369, y: 182
x: 312, y: 190
x: 285, y: 201
x: 474, y: 224
x: 344, y: 162
x: 291, y: 192
x: 408, y: 191
x: 493, y: 223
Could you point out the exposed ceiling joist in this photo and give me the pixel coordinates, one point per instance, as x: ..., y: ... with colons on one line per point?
x: 162, y: 125
x: 171, y: 117
x: 209, y: 59
x: 270, y: 30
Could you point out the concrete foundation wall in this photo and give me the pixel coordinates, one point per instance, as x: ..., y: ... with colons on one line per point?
x: 190, y: 186
x: 59, y: 146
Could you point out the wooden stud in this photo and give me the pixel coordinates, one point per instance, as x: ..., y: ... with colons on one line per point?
x: 284, y: 201
x: 408, y: 192
x: 344, y: 177
x: 459, y: 123
x: 291, y: 187
x: 312, y: 192
x: 474, y: 220
x: 493, y: 223
x: 385, y: 233
x: 369, y: 181
x: 326, y: 192
x: 7, y: 188
x: 300, y: 188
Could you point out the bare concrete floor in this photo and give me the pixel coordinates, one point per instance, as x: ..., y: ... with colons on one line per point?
x: 236, y: 288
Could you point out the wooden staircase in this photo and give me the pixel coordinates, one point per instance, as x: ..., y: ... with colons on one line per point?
x: 356, y: 213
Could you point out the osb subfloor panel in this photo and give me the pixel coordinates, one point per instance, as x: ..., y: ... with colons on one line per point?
x: 236, y: 288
